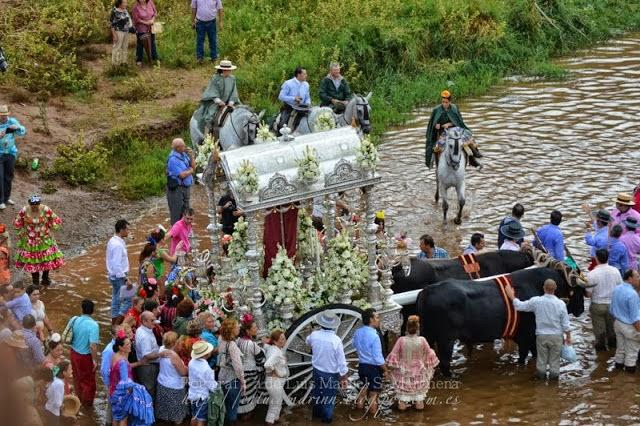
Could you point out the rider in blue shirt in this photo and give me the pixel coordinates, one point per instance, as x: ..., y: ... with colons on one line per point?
x: 294, y: 95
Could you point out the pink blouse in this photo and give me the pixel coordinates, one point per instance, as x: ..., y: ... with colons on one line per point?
x: 143, y: 13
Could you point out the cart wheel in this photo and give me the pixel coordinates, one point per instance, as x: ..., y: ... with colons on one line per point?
x: 299, y: 384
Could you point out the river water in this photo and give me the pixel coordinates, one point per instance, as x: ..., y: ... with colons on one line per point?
x: 548, y: 145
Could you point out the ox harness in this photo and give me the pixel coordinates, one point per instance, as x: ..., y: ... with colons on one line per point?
x: 470, y: 264
x: 513, y: 317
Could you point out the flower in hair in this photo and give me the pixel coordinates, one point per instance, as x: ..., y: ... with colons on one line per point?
x: 55, y: 337
x: 120, y: 334
x: 247, y: 319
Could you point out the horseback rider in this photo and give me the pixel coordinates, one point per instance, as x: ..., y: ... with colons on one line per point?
x: 219, y: 98
x: 295, y: 96
x: 334, y: 90
x: 444, y: 116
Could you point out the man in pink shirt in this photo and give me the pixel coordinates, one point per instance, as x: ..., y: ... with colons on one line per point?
x: 631, y: 240
x: 179, y: 233
x: 623, y: 209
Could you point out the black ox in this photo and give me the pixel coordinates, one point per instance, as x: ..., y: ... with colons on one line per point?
x: 474, y: 311
x: 435, y: 270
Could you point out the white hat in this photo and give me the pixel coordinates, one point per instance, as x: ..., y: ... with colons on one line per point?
x: 225, y: 65
x: 328, y: 319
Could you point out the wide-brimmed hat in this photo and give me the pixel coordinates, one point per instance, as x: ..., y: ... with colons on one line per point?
x: 302, y: 107
x: 17, y: 340
x: 226, y: 65
x: 631, y: 223
x: 201, y: 349
x: 328, y: 319
x: 624, y: 198
x: 512, y: 230
x: 70, y: 406
x: 4, y: 110
x: 602, y: 215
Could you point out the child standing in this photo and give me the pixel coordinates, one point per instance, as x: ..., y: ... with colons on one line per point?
x: 55, y: 393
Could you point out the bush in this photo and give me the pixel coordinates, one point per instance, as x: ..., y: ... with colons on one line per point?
x: 145, y: 87
x: 79, y: 164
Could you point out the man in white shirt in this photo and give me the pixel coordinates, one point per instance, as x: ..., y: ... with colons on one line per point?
x: 552, y: 321
x: 605, y: 278
x: 147, y: 347
x: 117, y: 265
x: 329, y: 365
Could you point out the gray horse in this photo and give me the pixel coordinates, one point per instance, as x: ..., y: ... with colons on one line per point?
x: 239, y: 129
x: 450, y: 172
x: 357, y: 112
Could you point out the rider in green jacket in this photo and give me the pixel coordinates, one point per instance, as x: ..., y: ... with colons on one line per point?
x: 444, y: 116
x: 334, y: 90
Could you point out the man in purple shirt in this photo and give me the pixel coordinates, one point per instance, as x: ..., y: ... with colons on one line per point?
x: 20, y: 304
x: 623, y: 210
x: 35, y: 350
x: 631, y: 240
x: 550, y: 236
x: 204, y: 14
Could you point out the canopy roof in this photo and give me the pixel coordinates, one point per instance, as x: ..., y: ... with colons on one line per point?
x: 276, y: 164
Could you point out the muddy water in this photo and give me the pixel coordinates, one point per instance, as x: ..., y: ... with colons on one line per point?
x: 547, y: 145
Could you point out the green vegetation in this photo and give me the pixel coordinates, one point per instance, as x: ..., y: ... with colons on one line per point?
x: 405, y: 51
x: 79, y: 164
x: 144, y: 87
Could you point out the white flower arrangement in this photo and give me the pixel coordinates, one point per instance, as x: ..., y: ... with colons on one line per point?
x: 344, y: 270
x: 264, y: 134
x: 238, y: 245
x: 247, y: 177
x: 283, y: 282
x: 367, y: 154
x: 325, y: 121
x: 308, y: 243
x: 209, y: 145
x: 308, y: 166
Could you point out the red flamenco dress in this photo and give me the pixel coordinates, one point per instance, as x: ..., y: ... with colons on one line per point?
x: 37, y: 250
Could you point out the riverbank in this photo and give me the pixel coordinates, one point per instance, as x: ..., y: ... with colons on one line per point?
x: 404, y: 51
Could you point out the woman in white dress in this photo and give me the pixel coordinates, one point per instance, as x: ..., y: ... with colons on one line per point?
x: 38, y: 312
x: 277, y: 371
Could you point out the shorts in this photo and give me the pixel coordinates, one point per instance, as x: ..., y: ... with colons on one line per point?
x: 371, y: 376
x: 199, y: 409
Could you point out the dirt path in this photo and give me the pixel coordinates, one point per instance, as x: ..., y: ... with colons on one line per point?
x: 89, y: 215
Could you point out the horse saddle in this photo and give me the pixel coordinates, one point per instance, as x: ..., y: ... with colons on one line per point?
x: 295, y: 117
x: 221, y: 115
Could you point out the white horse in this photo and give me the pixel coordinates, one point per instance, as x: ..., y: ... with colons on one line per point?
x: 239, y: 129
x: 356, y: 111
x: 450, y: 172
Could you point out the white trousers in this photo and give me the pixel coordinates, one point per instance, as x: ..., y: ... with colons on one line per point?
x: 627, y: 343
x: 275, y: 389
x: 119, y: 51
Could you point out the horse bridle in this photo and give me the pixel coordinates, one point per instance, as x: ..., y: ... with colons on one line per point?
x: 449, y: 158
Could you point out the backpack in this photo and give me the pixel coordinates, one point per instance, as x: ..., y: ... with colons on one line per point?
x: 67, y: 333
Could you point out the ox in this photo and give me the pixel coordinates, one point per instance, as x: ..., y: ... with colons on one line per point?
x: 474, y: 311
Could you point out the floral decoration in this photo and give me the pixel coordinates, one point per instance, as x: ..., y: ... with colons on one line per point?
x: 209, y: 145
x: 247, y: 177
x: 325, y: 121
x: 344, y: 271
x: 308, y: 166
x: 367, y: 154
x: 264, y: 134
x: 238, y: 245
x: 283, y: 284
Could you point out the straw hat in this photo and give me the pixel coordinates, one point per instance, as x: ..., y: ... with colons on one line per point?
x: 17, y: 340
x: 328, y: 319
x: 201, y: 349
x: 4, y: 110
x: 445, y: 94
x: 70, y: 406
x: 226, y: 65
x: 624, y: 198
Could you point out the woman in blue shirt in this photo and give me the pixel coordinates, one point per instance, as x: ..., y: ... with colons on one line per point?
x: 9, y: 129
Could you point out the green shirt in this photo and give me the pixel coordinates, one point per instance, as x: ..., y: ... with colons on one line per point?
x: 329, y: 91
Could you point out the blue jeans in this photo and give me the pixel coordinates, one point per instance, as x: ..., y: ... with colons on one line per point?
x: 231, y: 400
x: 323, y: 395
x: 140, y: 48
x: 116, y: 283
x: 207, y: 28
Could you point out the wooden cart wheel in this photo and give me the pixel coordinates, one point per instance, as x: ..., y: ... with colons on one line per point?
x: 299, y: 384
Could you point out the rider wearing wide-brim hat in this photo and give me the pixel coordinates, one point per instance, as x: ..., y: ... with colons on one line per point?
x: 219, y: 98
x: 444, y: 116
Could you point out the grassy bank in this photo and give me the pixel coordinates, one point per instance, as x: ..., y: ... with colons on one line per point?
x: 405, y: 51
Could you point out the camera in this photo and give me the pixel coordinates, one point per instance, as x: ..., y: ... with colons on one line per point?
x: 3, y: 61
